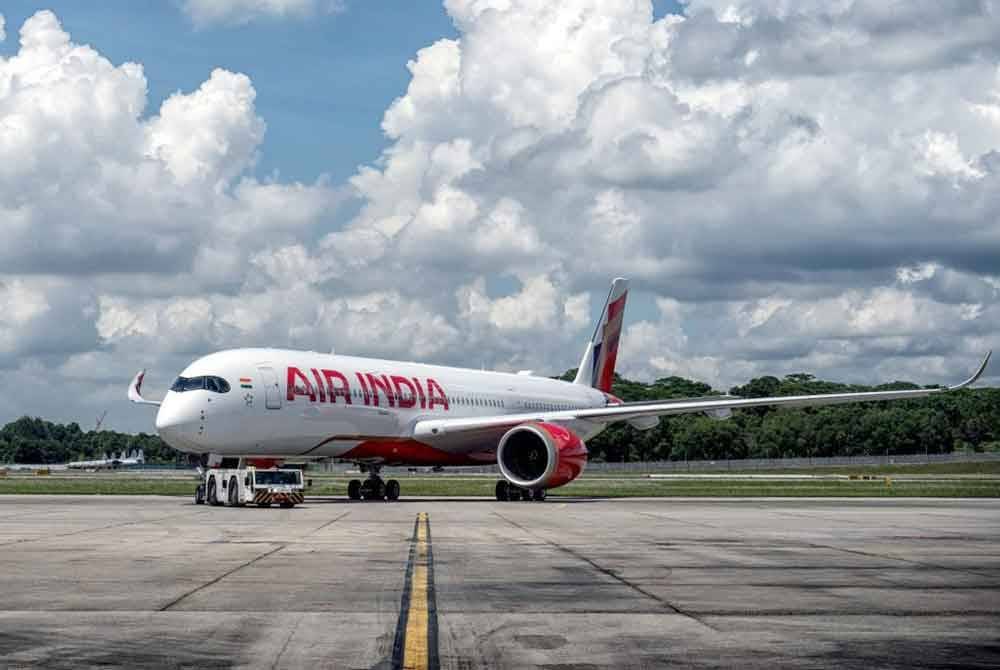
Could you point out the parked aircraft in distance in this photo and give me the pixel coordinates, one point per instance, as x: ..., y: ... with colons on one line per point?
x: 301, y: 405
x: 110, y: 461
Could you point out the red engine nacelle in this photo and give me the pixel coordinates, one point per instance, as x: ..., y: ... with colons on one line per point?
x: 541, y: 456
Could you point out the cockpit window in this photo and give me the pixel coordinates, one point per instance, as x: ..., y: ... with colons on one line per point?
x: 213, y: 384
x: 217, y: 384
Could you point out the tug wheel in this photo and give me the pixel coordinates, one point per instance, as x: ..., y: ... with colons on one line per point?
x: 234, y: 493
x: 213, y: 497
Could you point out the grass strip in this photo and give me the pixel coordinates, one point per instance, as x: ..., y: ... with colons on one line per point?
x: 623, y: 488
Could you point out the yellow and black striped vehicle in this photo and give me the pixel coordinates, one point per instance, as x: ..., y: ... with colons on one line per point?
x: 241, y: 486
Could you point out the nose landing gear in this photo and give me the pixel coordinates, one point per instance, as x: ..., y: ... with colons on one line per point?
x: 505, y: 491
x: 373, y: 488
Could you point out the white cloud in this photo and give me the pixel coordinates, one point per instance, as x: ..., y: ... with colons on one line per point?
x: 208, y: 12
x: 210, y: 135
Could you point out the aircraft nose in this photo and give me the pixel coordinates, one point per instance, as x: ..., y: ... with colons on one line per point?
x: 179, y: 426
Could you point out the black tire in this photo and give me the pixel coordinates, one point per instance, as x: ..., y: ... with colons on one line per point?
x: 502, y: 491
x: 213, y: 494
x: 378, y: 490
x: 514, y: 493
x: 354, y: 489
x: 538, y: 495
x: 392, y: 490
x: 234, y: 493
x: 263, y: 504
x: 287, y: 505
x: 199, y: 494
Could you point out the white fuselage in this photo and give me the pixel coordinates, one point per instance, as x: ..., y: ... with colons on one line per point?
x: 311, y: 405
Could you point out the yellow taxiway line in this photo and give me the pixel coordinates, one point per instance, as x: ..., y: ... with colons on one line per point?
x: 416, y: 637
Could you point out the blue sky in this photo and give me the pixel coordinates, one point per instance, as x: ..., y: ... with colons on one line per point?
x: 322, y: 83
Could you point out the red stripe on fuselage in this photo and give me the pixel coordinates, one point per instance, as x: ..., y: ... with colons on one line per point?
x: 405, y: 451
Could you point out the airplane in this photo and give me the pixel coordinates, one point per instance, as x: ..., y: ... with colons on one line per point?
x: 110, y: 462
x: 302, y: 405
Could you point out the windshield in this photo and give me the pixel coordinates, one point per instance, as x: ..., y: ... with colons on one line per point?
x: 214, y: 384
x: 271, y: 477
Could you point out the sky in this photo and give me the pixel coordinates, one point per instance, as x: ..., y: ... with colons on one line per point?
x: 791, y: 187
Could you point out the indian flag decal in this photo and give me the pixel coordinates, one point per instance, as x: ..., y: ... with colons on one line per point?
x: 246, y: 382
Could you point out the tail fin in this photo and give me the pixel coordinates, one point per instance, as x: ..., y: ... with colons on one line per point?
x: 597, y: 368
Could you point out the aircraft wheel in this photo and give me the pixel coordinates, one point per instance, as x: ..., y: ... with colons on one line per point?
x: 503, y: 491
x: 392, y: 490
x: 234, y: 493
x: 378, y: 490
x: 513, y: 493
x: 539, y: 495
x: 354, y: 489
x: 213, y: 496
x: 199, y: 494
x: 263, y: 504
x: 287, y: 505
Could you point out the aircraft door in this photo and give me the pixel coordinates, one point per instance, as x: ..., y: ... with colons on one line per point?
x: 272, y: 389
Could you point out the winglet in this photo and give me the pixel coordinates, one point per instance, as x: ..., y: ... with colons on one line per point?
x: 973, y: 378
x: 135, y: 390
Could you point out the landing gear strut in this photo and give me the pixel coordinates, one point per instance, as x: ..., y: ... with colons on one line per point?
x: 505, y: 491
x: 373, y: 488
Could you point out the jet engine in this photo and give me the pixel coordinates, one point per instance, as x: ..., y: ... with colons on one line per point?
x: 541, y: 456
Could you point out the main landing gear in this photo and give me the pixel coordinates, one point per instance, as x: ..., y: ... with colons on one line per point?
x: 373, y: 488
x: 506, y: 491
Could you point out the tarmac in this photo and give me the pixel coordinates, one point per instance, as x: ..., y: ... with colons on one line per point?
x: 472, y: 583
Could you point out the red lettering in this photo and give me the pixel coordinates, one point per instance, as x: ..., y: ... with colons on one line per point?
x: 294, y: 374
x: 439, y: 399
x: 420, y: 392
x: 319, y: 385
x: 408, y: 399
x: 381, y: 384
x: 364, y: 388
x: 343, y: 389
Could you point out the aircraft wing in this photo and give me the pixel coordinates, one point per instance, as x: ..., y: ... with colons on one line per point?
x: 439, y: 427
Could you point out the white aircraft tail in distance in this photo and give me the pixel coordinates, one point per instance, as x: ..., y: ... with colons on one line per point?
x: 123, y: 459
x: 303, y: 405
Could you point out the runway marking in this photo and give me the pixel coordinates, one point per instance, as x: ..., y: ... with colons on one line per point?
x: 416, y: 643
x: 610, y: 573
x: 790, y: 543
x: 328, y: 523
x: 218, y: 579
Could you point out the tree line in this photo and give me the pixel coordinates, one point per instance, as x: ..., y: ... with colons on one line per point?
x: 967, y: 420
x: 34, y: 440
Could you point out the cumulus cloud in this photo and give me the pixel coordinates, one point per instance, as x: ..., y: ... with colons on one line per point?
x: 758, y: 162
x: 101, y: 203
x: 804, y: 186
x: 207, y: 12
